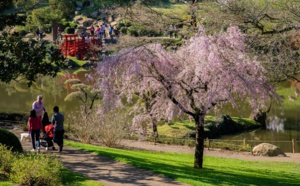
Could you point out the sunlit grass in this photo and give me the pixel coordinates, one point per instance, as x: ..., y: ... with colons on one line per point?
x: 77, y: 61
x: 290, y: 102
x: 217, y: 171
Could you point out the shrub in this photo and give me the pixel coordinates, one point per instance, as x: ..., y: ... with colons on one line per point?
x: 5, y: 4
x: 10, y: 140
x: 65, y: 23
x: 6, y: 160
x: 73, y: 25
x: 69, y: 30
x: 106, y: 128
x: 35, y: 169
x: 132, y: 31
x: 113, y: 127
x: 13, y: 116
x: 123, y: 30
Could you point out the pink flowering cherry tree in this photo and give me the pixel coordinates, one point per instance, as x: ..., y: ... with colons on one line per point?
x: 205, y: 72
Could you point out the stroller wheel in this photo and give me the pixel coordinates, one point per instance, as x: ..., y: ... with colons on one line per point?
x: 53, y: 148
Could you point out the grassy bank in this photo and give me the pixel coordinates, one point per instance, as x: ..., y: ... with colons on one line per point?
x: 181, y: 129
x: 217, y: 171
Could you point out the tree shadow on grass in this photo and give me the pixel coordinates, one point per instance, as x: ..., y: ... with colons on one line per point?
x: 211, y: 174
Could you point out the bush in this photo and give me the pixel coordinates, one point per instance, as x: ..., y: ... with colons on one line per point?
x: 6, y: 160
x: 132, y: 31
x: 10, y: 140
x: 73, y: 25
x: 106, y: 128
x: 35, y: 169
x: 123, y: 30
x: 69, y: 30
x: 4, y: 4
x: 13, y: 116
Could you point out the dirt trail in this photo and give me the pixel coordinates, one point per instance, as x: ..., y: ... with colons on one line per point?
x: 110, y: 172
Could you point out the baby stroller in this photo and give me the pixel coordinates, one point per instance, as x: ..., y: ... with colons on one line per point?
x: 47, y: 139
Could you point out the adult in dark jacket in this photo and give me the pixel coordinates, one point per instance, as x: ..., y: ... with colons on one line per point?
x: 58, y: 122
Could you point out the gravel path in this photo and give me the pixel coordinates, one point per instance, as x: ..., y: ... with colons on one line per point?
x: 112, y: 173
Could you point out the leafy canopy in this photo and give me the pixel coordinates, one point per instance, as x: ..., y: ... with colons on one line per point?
x: 27, y: 59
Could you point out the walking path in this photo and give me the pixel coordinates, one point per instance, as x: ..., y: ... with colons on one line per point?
x: 112, y: 173
x: 105, y: 170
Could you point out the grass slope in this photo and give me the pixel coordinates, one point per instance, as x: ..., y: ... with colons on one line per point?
x: 180, y: 129
x: 217, y: 171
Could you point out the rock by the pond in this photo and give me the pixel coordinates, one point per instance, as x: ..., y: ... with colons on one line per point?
x: 267, y: 149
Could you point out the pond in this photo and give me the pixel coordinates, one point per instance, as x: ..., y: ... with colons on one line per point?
x: 283, y: 124
x: 18, y: 97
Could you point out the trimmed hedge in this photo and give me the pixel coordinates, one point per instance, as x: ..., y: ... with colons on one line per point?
x: 13, y: 116
x: 10, y: 140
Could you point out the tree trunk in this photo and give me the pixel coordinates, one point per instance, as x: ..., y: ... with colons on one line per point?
x: 199, y: 124
x: 193, y: 13
x: 155, y: 132
x: 54, y: 30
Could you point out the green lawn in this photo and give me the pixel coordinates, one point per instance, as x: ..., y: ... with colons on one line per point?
x: 217, y: 171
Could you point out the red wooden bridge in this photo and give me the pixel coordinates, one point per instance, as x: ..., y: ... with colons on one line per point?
x: 79, y: 47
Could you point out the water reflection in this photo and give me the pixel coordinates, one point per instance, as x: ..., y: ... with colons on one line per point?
x: 18, y: 97
x: 275, y: 123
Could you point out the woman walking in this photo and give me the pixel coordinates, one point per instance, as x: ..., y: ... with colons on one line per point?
x: 34, y: 127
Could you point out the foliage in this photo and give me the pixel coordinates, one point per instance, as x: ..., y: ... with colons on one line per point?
x: 69, y: 30
x: 11, y: 20
x: 112, y: 127
x: 46, y: 15
x: 4, y: 4
x: 218, y: 171
x: 205, y: 72
x: 83, y: 125
x: 10, y: 140
x: 6, y: 160
x: 98, y: 127
x: 84, y: 93
x: 50, y: 168
x: 13, y: 116
x: 35, y: 169
x: 186, y: 128
x: 271, y: 27
x: 27, y: 59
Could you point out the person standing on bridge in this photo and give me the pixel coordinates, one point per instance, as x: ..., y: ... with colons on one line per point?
x: 103, y: 28
x: 110, y: 32
x: 92, y: 30
x: 171, y: 30
x: 59, y: 35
